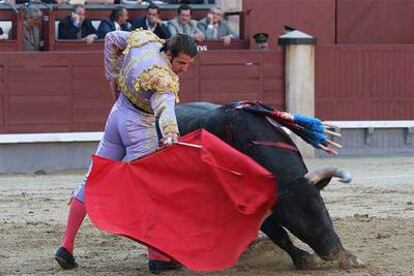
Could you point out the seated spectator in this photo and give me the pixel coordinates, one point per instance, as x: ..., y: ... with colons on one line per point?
x: 152, y: 22
x: 214, y: 27
x: 183, y: 24
x: 3, y: 36
x: 77, y: 26
x: 117, y: 21
x: 31, y: 32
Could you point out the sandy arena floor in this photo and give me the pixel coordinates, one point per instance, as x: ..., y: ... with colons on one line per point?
x: 374, y: 216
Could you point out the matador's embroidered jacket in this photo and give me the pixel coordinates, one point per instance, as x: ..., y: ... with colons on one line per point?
x: 144, y: 74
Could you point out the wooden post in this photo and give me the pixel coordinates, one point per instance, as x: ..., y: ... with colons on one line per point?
x: 300, y: 78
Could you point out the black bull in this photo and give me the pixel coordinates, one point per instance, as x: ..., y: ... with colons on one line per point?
x: 300, y: 208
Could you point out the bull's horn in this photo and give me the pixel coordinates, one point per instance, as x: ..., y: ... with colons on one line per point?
x: 328, y: 172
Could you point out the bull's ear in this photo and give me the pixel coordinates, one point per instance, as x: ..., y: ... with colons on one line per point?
x: 322, y: 183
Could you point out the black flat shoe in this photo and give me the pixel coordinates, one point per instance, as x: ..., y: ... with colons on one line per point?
x: 65, y: 259
x: 156, y: 267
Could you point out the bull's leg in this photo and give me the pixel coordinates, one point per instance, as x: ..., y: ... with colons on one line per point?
x: 301, y: 258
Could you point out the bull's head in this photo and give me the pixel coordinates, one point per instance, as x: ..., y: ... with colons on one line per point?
x: 300, y: 207
x: 313, y: 225
x: 302, y: 211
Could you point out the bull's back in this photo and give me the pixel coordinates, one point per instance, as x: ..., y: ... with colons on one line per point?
x: 192, y: 116
x: 245, y: 127
x: 286, y: 164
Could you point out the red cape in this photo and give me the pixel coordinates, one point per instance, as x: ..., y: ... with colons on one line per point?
x: 202, y: 207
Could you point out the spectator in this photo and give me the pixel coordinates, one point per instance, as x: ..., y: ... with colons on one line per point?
x: 3, y: 36
x: 214, y: 27
x: 117, y: 21
x: 152, y: 22
x: 77, y: 26
x: 261, y: 41
x: 183, y: 24
x: 31, y: 32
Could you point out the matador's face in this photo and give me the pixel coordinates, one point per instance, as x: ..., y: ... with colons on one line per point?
x: 181, y: 63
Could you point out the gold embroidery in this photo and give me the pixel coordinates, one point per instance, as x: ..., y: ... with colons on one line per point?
x: 169, y: 127
x: 154, y: 79
x: 158, y: 79
x: 151, y: 135
x: 144, y: 54
x: 139, y: 38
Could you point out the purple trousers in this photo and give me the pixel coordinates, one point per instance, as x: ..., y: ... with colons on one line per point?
x: 129, y: 134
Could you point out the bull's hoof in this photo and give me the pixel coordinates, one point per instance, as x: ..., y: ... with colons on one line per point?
x: 306, y: 261
x: 343, y: 260
x: 348, y: 260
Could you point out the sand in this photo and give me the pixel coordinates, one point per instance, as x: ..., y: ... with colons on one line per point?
x: 374, y: 217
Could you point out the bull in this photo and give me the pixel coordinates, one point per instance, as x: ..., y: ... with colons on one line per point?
x: 300, y: 208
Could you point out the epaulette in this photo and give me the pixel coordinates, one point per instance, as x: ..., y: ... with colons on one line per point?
x: 139, y: 38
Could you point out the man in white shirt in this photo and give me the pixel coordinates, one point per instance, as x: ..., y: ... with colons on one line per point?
x: 117, y: 21
x: 152, y: 22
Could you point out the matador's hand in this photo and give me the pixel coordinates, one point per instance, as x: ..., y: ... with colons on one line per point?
x: 169, y: 139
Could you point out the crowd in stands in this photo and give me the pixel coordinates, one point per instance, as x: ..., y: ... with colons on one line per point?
x: 77, y: 26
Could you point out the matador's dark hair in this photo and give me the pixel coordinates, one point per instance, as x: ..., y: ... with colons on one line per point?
x: 181, y: 43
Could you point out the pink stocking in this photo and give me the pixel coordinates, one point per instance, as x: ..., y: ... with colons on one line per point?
x: 76, y: 215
